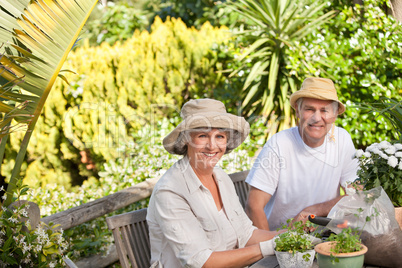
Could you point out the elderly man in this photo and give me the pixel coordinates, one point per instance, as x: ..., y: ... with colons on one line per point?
x: 300, y: 170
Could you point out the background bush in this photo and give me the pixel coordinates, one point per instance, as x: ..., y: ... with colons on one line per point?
x: 114, y: 22
x: 119, y: 89
x: 360, y: 50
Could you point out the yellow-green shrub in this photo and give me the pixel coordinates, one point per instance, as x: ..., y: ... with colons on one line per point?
x: 114, y: 92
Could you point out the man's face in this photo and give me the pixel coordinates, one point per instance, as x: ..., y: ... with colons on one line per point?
x: 315, y: 120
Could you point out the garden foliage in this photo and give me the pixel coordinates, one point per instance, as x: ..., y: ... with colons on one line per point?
x: 22, y: 243
x: 194, y: 12
x: 114, y: 22
x: 115, y: 92
x: 381, y: 165
x: 275, y: 27
x: 360, y: 50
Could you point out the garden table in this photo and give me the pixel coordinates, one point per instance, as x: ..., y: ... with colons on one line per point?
x: 271, y: 262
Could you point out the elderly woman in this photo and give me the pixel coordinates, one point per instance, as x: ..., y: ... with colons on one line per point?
x: 195, y: 218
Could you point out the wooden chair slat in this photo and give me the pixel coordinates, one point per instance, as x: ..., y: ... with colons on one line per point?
x: 131, y: 238
x: 242, y: 188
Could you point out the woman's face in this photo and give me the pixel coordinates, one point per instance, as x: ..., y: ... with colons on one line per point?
x: 206, y: 148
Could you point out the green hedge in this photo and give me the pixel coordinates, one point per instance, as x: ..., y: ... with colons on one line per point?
x: 117, y: 90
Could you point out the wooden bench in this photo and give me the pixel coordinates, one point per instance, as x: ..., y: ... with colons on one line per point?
x: 130, y: 230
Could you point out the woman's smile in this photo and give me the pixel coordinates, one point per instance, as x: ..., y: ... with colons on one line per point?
x: 206, y: 148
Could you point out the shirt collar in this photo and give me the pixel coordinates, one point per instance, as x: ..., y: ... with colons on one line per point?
x: 191, y: 179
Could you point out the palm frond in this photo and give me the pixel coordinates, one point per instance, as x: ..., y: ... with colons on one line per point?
x: 390, y: 109
x: 279, y: 26
x: 37, y: 37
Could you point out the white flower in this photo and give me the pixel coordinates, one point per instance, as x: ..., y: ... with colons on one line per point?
x: 384, y: 144
x: 390, y: 150
x: 13, y: 220
x: 372, y: 147
x: 24, y: 213
x: 376, y: 151
x: 359, y: 153
x: 383, y: 155
x: 398, y: 154
x: 52, y: 265
x: 398, y: 146
x: 392, y: 161
x: 400, y: 165
x: 367, y: 154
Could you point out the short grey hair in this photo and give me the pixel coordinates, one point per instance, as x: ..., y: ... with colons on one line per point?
x: 180, y: 146
x: 335, y: 105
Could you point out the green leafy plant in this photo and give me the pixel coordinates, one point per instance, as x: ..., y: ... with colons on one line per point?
x: 359, y: 49
x: 33, y: 52
x: 295, y: 239
x: 348, y: 240
x: 390, y: 109
x: 278, y: 27
x: 117, y: 22
x: 23, y: 245
x: 191, y: 12
x: 381, y: 165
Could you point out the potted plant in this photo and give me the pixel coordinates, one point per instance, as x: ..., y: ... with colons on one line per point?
x: 295, y: 248
x: 381, y: 163
x: 344, y: 250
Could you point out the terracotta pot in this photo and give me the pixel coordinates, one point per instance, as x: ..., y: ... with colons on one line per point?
x: 398, y: 216
x: 346, y: 260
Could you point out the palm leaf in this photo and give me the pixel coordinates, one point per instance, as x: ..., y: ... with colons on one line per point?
x: 390, y: 109
x: 37, y: 36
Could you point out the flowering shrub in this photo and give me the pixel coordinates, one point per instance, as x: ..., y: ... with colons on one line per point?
x: 25, y: 246
x: 381, y: 165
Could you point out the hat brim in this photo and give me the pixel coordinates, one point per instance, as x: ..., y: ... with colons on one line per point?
x: 208, y: 120
x: 303, y: 94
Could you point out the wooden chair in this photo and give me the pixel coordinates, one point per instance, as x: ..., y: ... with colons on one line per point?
x: 131, y: 237
x: 242, y: 188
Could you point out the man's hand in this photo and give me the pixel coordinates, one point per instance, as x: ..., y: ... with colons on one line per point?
x: 303, y: 216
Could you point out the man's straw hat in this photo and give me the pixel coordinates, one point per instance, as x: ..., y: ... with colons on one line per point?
x: 317, y: 88
x: 206, y: 113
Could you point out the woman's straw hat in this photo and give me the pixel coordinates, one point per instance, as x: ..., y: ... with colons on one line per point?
x: 206, y: 113
x: 317, y: 88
